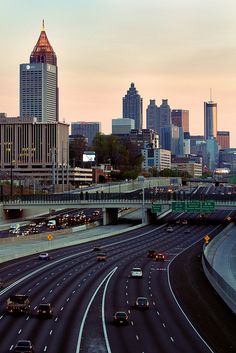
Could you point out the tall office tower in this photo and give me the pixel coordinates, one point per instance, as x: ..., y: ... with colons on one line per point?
x: 164, y: 120
x: 39, y: 83
x: 180, y: 118
x: 223, y: 139
x: 210, y: 120
x: 152, y: 115
x: 86, y: 129
x: 133, y: 107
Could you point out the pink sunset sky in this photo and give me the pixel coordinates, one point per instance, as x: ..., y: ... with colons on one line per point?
x: 174, y: 49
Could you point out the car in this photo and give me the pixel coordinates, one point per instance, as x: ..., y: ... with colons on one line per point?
x: 23, y: 346
x: 121, y: 318
x: 136, y: 272
x: 184, y: 222
x: 160, y: 257
x: 169, y: 229
x: 96, y: 248
x: 44, y: 256
x: 187, y: 230
x: 45, y: 311
x: 101, y: 257
x: 141, y: 303
x: 151, y: 253
x: 177, y: 221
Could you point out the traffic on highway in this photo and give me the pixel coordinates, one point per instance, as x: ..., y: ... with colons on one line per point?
x: 124, y: 302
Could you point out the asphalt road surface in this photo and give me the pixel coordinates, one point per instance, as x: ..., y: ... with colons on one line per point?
x: 86, y: 293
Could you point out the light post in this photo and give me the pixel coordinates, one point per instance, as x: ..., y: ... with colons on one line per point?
x: 12, y: 178
x: 143, y: 213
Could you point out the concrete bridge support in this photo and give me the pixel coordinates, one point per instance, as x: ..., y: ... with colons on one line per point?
x: 1, y: 212
x: 110, y: 215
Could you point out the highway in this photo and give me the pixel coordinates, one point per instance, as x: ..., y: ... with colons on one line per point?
x: 85, y: 294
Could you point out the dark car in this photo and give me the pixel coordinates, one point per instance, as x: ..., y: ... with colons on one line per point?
x: 142, y: 303
x: 45, y: 311
x: 96, y: 248
x: 160, y: 256
x: 121, y: 318
x: 151, y: 253
x: 23, y: 346
x: 101, y: 257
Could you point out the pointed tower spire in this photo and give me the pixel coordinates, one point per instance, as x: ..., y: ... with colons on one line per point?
x: 43, y: 51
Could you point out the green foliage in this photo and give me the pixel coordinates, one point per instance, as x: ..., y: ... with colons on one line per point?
x: 122, y: 156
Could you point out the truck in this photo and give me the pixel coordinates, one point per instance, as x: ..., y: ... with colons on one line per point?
x: 18, y: 304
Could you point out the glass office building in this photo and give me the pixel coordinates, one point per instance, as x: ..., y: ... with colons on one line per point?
x: 39, y: 83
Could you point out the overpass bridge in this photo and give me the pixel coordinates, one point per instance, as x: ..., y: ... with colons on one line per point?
x: 110, y: 202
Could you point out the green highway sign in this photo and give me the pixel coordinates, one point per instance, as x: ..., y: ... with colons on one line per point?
x: 208, y: 206
x: 156, y: 207
x: 193, y: 206
x: 178, y: 206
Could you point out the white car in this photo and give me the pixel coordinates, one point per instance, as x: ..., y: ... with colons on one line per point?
x: 169, y: 229
x: 44, y: 256
x: 136, y: 272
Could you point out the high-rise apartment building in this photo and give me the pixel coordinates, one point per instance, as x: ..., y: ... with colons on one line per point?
x: 39, y: 83
x: 133, y: 106
x: 210, y: 120
x: 86, y: 129
x: 180, y: 118
x: 152, y: 116
x: 223, y: 139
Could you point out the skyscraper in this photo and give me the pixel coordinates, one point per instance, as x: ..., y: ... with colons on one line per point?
x: 180, y: 118
x: 164, y: 121
x: 39, y: 83
x: 210, y: 120
x: 152, y: 116
x: 133, y: 106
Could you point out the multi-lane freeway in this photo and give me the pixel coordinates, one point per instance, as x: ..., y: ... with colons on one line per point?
x: 86, y: 293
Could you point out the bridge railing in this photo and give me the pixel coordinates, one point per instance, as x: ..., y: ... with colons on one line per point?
x: 111, y: 197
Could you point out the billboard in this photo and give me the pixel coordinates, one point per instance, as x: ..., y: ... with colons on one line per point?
x: 89, y: 156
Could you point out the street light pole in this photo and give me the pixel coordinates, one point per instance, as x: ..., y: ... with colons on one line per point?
x: 143, y: 214
x: 11, y: 181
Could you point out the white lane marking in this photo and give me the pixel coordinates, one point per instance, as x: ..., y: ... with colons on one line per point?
x: 171, y: 290
x: 1, y: 317
x: 87, y: 310
x: 172, y: 339
x: 45, y: 348
x: 163, y: 324
x: 62, y: 308
x: 11, y: 347
x: 27, y: 318
x: 153, y: 303
x: 137, y: 337
x: 19, y: 332
x: 70, y: 257
x: 127, y: 302
x: 67, y: 299
x: 35, y: 307
x: 50, y: 290
x: 132, y: 323
x: 43, y: 298
x: 56, y: 319
x: 158, y: 313
x: 50, y: 333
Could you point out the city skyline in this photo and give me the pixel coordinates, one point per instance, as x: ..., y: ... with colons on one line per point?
x: 102, y: 48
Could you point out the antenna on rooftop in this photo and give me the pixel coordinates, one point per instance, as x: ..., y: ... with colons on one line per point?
x: 210, y: 94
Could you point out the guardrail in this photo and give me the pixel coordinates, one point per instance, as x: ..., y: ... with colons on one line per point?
x: 226, y: 291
